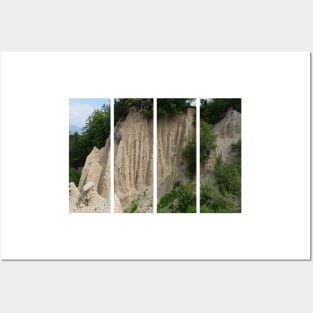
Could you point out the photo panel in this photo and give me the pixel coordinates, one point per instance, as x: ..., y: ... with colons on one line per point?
x: 220, y: 155
x: 176, y: 152
x: 89, y: 155
x: 133, y: 155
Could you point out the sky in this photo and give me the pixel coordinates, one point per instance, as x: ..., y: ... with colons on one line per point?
x: 80, y: 109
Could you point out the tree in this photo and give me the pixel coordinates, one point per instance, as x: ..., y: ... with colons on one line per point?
x: 207, y: 141
x: 213, y: 110
x: 172, y: 106
x: 76, y: 153
x: 123, y: 106
x: 97, y: 128
x: 189, y: 156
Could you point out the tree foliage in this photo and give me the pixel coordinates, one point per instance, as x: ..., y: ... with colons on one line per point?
x: 172, y: 106
x: 189, y: 156
x: 213, y: 201
x: 97, y: 128
x: 222, y: 192
x: 213, y: 110
x: 228, y: 176
x: 74, y: 176
x: 123, y: 106
x: 207, y: 140
x: 182, y: 199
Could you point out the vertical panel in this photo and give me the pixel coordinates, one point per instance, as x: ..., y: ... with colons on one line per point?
x: 133, y: 155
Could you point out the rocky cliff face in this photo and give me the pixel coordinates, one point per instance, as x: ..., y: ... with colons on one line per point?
x: 93, y: 192
x: 173, y: 134
x: 133, y: 165
x: 228, y: 132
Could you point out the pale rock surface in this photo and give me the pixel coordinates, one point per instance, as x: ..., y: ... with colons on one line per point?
x: 133, y: 160
x: 133, y: 163
x: 93, y: 192
x: 173, y: 135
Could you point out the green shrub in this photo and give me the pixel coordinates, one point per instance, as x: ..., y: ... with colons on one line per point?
x: 182, y: 199
x: 133, y: 206
x: 189, y: 156
x: 213, y: 201
x: 207, y: 141
x: 222, y: 192
x: 172, y: 106
x: 186, y: 198
x: 235, y: 151
x: 228, y: 176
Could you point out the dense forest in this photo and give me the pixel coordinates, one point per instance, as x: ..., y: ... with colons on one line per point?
x: 220, y: 192
x: 94, y: 134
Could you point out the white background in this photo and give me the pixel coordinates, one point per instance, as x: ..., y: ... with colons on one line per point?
x: 275, y: 219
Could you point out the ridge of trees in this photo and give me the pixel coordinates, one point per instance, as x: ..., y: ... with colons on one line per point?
x: 172, y: 106
x: 123, y: 106
x: 165, y: 107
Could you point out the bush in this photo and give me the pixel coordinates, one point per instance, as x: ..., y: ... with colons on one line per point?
x: 228, y: 176
x: 222, y: 193
x: 182, y: 199
x: 189, y: 156
x: 235, y: 151
x: 133, y: 206
x: 186, y: 198
x: 213, y: 201
x: 207, y: 141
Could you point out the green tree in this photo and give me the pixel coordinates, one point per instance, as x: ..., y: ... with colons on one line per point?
x: 207, y: 141
x: 189, y: 156
x: 122, y: 107
x: 74, y: 176
x: 97, y: 128
x: 213, y: 110
x: 172, y: 106
x: 222, y: 192
x: 228, y: 176
x: 76, y: 153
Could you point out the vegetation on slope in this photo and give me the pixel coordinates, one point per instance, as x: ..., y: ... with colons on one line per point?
x: 94, y: 134
x: 214, y: 110
x: 221, y: 191
x: 123, y: 106
x: 182, y: 199
x: 172, y: 106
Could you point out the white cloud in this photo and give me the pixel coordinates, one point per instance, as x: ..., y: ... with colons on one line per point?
x: 79, y: 113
